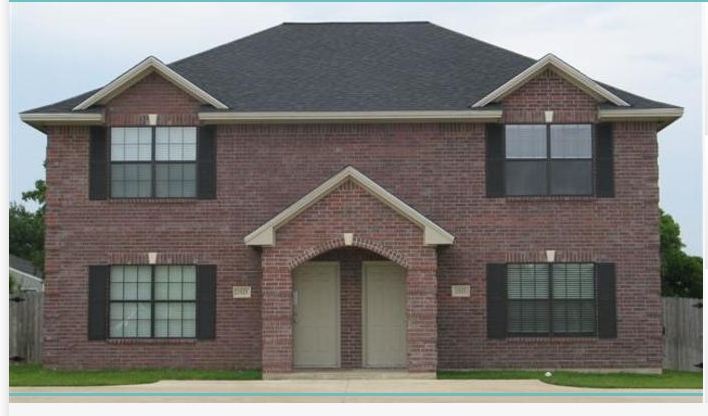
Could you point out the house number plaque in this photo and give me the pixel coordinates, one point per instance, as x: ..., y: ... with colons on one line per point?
x: 242, y: 291
x: 461, y: 291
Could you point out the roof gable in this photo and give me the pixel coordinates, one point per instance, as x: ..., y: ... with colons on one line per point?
x: 432, y: 233
x: 566, y: 71
x: 137, y: 73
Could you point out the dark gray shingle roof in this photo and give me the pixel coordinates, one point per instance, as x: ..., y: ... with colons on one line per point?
x: 352, y: 67
x: 25, y: 266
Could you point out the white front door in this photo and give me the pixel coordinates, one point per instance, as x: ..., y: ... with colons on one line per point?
x: 384, y: 315
x: 316, y: 315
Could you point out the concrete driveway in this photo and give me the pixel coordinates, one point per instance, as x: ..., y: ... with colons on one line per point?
x: 493, y: 391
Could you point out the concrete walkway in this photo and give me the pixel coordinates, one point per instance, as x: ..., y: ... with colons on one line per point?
x: 351, y: 390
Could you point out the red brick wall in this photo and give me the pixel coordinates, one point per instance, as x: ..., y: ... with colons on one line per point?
x: 172, y: 105
x: 436, y: 168
x: 548, y: 91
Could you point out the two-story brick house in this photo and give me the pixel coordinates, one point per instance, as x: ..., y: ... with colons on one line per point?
x: 353, y: 195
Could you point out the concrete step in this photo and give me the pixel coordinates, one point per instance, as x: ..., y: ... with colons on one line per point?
x: 359, y: 374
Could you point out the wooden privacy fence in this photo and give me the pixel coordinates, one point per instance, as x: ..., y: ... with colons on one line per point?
x: 26, y: 327
x: 683, y: 334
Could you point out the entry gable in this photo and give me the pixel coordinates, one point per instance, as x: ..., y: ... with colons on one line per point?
x: 140, y: 71
x: 432, y: 233
x: 566, y: 71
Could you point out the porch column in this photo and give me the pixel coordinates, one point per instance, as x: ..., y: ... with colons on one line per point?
x: 276, y: 315
x: 422, y: 313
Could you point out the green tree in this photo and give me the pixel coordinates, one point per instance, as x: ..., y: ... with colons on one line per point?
x: 681, y: 274
x: 26, y: 228
x: 13, y: 284
x: 38, y: 195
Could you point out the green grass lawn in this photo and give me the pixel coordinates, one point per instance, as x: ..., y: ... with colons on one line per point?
x: 668, y: 380
x: 35, y: 375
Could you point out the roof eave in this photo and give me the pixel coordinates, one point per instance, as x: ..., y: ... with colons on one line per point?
x: 232, y: 117
x: 663, y: 116
x: 41, y: 120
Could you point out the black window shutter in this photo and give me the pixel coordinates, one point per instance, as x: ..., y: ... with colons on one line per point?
x: 98, y: 163
x: 604, y: 166
x: 206, y: 302
x: 496, y: 300
x: 606, y: 300
x: 495, y: 160
x: 98, y: 295
x: 206, y: 162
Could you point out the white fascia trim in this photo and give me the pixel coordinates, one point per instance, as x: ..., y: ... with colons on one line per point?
x: 644, y: 114
x: 136, y: 73
x: 27, y: 275
x: 294, y: 116
x: 551, y: 60
x: 61, y: 118
x: 432, y: 233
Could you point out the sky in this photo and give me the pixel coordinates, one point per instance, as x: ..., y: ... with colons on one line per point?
x: 59, y: 50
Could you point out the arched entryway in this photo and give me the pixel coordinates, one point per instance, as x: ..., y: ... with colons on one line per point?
x: 349, y: 311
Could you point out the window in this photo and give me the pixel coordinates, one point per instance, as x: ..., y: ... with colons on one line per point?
x: 551, y: 299
x: 153, y: 162
x: 545, y: 159
x: 152, y: 302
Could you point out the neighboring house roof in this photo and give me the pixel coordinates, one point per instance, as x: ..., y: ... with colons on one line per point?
x: 433, y: 234
x: 352, y: 67
x: 25, y: 273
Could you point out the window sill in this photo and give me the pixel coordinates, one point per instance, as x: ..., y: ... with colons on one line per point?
x: 549, y: 198
x: 152, y: 341
x: 552, y: 340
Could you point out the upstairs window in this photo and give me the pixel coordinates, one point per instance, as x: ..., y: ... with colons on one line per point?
x: 153, y: 162
x: 545, y: 159
x: 548, y: 160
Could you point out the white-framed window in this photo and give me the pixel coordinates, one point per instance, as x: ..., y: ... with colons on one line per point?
x: 555, y: 299
x: 153, y: 162
x: 548, y: 159
x: 152, y: 301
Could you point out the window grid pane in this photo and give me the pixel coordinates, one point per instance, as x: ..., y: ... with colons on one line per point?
x: 131, y: 180
x: 526, y: 177
x: 131, y: 144
x: 176, y: 143
x: 175, y: 180
x: 175, y: 283
x: 130, y: 320
x: 571, y: 177
x: 571, y: 141
x: 526, y: 141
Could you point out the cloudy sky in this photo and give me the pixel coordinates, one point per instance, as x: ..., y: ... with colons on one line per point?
x: 61, y: 50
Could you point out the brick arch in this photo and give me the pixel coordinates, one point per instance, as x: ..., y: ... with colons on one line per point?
x: 358, y: 242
